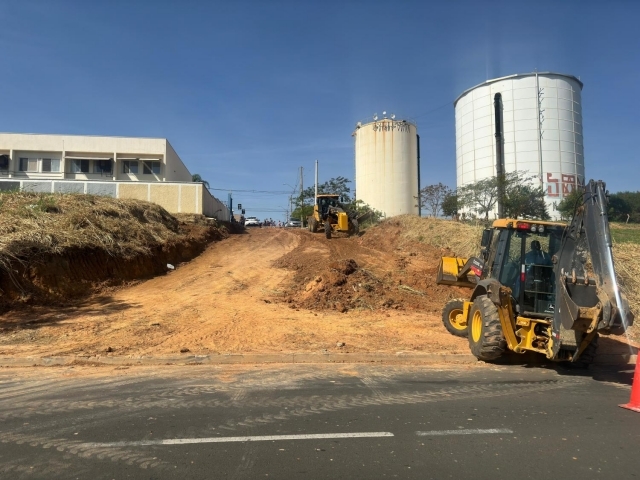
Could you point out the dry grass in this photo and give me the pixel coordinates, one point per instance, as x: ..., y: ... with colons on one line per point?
x: 627, y: 259
x: 32, y: 224
x: 462, y: 239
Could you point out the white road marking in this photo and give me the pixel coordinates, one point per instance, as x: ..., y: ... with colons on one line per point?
x: 262, y: 438
x: 466, y: 431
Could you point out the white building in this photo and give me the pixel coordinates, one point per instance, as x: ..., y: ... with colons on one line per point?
x: 121, y: 167
x: 84, y: 157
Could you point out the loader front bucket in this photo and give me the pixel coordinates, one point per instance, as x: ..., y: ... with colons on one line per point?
x: 455, y: 271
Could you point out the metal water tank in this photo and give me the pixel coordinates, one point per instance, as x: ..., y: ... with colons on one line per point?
x: 387, y: 166
x: 541, y: 116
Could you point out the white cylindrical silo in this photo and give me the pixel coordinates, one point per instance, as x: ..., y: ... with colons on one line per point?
x: 386, y: 166
x: 542, y: 131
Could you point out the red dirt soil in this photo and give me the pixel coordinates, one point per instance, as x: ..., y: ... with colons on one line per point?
x: 268, y: 290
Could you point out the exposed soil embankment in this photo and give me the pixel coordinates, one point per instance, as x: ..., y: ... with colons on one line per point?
x: 56, y: 248
x: 270, y: 290
x: 390, y: 267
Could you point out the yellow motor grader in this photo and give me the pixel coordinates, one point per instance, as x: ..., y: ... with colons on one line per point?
x: 544, y: 287
x: 330, y: 215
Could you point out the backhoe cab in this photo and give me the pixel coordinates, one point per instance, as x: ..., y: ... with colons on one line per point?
x: 534, y: 289
x: 330, y: 215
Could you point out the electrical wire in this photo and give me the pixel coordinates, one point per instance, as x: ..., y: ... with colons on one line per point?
x: 233, y: 190
x: 431, y: 111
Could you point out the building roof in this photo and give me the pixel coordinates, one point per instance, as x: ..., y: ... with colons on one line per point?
x: 517, y: 75
x: 79, y: 135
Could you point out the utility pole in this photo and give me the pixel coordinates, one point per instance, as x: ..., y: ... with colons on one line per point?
x: 301, y: 200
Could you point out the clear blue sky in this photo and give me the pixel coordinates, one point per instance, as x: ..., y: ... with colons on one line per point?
x: 249, y: 91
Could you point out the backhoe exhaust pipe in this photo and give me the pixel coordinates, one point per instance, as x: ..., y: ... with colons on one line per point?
x: 497, y: 105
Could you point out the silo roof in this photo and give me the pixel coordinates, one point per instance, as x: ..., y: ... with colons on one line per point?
x: 517, y: 75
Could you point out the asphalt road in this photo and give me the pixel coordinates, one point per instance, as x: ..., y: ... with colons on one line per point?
x: 316, y: 421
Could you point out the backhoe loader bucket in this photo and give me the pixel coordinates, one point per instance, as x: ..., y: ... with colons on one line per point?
x: 456, y: 271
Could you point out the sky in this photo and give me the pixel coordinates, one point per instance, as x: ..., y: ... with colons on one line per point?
x: 247, y: 92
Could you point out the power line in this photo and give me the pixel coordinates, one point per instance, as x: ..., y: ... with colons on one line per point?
x: 233, y: 190
x: 431, y: 111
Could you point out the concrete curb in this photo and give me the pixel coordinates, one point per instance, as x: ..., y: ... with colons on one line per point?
x: 247, y: 358
x: 284, y: 358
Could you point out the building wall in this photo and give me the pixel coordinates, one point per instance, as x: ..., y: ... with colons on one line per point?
x: 175, y: 197
x: 177, y: 171
x: 214, y: 207
x: 70, y: 148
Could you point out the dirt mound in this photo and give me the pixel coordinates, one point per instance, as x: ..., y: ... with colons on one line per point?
x: 381, y: 270
x: 58, y: 247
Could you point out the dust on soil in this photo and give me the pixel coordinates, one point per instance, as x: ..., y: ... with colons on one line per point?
x: 269, y: 290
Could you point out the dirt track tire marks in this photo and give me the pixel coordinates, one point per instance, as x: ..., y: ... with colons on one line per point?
x: 304, y: 406
x: 141, y: 459
x: 231, y: 402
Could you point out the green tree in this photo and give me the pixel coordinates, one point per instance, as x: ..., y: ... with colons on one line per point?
x: 625, y: 205
x: 569, y: 203
x: 197, y: 178
x: 479, y: 197
x: 337, y: 186
x: 521, y: 198
x: 432, y: 197
x: 302, y: 213
x: 525, y: 200
x: 450, y: 205
x: 365, y: 212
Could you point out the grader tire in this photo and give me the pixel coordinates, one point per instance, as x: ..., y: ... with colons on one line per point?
x: 327, y: 229
x: 486, y: 339
x: 355, y: 229
x: 452, y: 318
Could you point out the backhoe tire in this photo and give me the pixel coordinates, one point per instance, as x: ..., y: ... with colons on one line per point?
x: 486, y: 339
x: 327, y: 229
x: 452, y: 318
x: 313, y: 225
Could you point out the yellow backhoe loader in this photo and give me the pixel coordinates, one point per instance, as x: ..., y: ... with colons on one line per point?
x: 534, y: 288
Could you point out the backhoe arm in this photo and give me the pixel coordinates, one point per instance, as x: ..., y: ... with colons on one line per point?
x: 588, y: 297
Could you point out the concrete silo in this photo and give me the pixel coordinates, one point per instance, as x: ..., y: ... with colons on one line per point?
x: 541, y: 116
x: 387, y: 166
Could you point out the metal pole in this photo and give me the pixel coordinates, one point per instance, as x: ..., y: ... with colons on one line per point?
x: 301, y: 200
x: 539, y: 130
x: 316, y: 178
x: 497, y: 104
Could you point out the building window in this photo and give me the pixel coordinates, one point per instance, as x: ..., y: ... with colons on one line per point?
x: 4, y: 162
x: 50, y: 165
x: 103, y: 166
x: 79, y: 166
x: 129, y: 166
x: 150, y: 168
x: 28, y: 164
